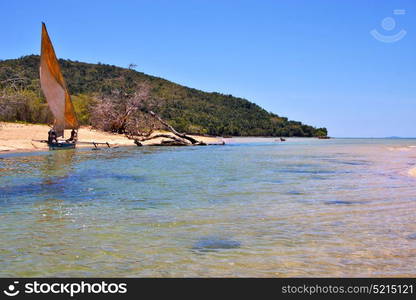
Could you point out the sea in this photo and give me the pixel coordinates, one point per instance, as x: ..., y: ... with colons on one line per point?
x: 255, y: 207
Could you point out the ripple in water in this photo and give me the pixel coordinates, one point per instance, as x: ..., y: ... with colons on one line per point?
x: 343, y: 207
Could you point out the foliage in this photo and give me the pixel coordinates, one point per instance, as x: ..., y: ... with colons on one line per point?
x: 23, y: 105
x: 186, y: 109
x: 83, y: 105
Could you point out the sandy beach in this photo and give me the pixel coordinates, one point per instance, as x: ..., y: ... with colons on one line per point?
x: 15, y: 137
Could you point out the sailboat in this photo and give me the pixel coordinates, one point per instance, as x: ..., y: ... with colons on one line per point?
x: 56, y: 93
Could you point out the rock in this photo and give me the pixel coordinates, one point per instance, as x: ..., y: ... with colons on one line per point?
x: 342, y: 202
x: 207, y: 244
x: 411, y: 236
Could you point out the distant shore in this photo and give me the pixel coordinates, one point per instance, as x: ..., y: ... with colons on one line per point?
x: 16, y: 137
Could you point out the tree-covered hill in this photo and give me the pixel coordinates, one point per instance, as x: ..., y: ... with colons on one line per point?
x: 186, y: 109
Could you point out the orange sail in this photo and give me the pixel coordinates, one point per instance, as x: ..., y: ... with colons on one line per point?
x: 54, y: 87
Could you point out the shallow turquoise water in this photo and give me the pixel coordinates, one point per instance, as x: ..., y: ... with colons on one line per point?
x: 306, y: 207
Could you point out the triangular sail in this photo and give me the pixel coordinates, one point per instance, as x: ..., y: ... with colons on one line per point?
x: 54, y: 87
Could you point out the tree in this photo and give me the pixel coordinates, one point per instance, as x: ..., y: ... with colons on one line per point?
x: 132, y: 115
x: 132, y: 66
x: 186, y: 109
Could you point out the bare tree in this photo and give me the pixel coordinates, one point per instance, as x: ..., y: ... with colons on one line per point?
x: 133, y: 115
x: 115, y: 112
x: 15, y: 83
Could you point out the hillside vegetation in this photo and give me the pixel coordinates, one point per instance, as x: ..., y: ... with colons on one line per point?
x: 187, y: 109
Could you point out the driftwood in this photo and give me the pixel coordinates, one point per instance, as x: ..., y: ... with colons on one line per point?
x: 175, y: 139
x: 132, y: 115
x: 171, y: 129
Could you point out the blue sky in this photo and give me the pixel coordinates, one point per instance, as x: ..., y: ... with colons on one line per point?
x: 312, y: 61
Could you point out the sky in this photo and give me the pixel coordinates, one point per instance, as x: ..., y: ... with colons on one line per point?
x: 349, y: 66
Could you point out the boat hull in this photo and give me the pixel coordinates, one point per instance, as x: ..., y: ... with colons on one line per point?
x: 61, y: 146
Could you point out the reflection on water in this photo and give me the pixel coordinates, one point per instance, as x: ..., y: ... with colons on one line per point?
x: 299, y: 208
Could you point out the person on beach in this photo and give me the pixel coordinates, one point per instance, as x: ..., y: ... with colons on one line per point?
x: 52, y: 138
x: 74, y: 136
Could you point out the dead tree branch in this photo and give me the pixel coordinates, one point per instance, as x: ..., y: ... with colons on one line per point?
x: 132, y: 116
x: 171, y: 129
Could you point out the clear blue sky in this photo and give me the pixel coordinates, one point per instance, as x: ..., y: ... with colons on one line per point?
x: 312, y: 61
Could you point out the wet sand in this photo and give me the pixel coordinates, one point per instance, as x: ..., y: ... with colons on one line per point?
x: 15, y: 137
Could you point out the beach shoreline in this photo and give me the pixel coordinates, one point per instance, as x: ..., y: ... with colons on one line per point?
x: 25, y: 138
x: 20, y: 138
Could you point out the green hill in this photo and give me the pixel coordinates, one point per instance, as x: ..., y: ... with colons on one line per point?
x: 186, y: 109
